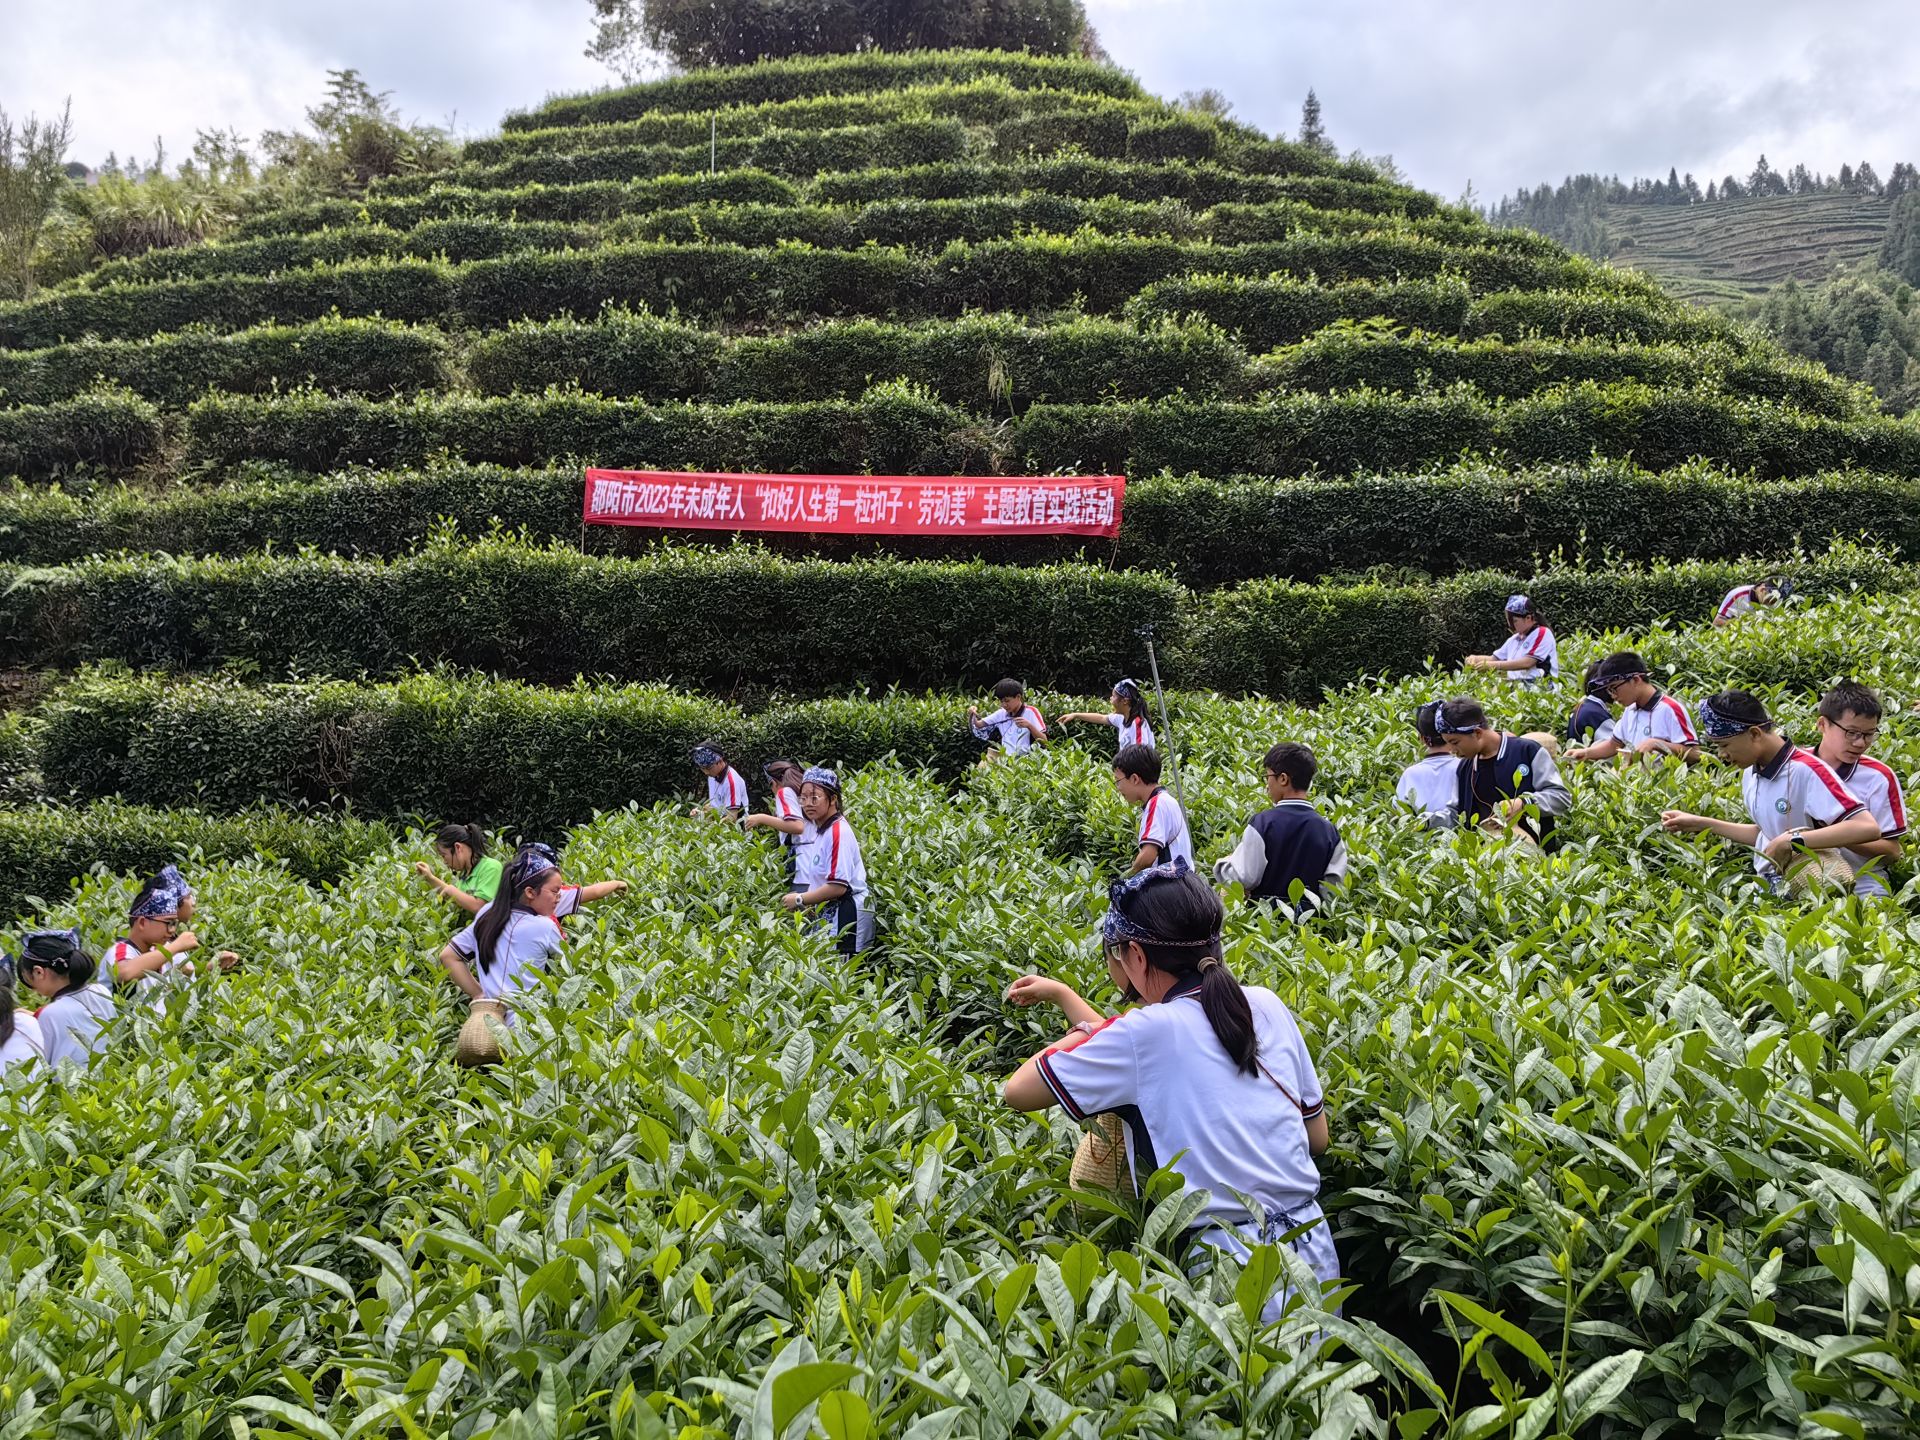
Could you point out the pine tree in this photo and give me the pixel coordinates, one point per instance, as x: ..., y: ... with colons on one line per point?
x: 1900, y: 251
x: 1866, y: 178
x: 1313, y: 134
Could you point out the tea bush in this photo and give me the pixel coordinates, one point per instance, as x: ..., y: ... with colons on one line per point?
x: 1615, y: 1119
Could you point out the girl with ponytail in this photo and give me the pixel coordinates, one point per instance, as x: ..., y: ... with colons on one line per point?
x: 463, y: 850
x: 1212, y: 1078
x: 518, y: 931
x: 54, y: 967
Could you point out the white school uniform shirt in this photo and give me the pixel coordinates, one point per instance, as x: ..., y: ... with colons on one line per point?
x: 1164, y: 824
x: 1794, y: 790
x: 1132, y: 732
x: 70, y: 1024
x: 728, y: 791
x: 1735, y: 602
x: 1015, y: 738
x: 1537, y: 643
x: 1431, y: 786
x: 150, y: 988
x: 786, y: 806
x: 1163, y: 1071
x: 1877, y: 788
x: 523, y: 949
x: 1664, y: 718
x: 832, y: 853
x: 24, y: 1047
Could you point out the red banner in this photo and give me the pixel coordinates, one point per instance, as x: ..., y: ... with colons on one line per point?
x: 856, y: 504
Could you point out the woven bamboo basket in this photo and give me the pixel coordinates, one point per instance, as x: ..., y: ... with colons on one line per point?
x: 479, y: 1042
x: 1821, y: 872
x: 1100, y: 1160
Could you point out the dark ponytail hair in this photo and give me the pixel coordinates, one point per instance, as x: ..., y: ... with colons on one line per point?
x: 523, y: 871
x: 6, y: 1000
x: 471, y: 836
x: 1186, y: 915
x: 60, y: 952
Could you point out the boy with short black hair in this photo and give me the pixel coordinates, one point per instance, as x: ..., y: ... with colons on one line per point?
x: 1501, y: 775
x: 1017, y: 726
x: 1163, y: 824
x: 1850, y: 721
x: 1291, y: 841
x: 1651, y: 721
x: 1429, y: 785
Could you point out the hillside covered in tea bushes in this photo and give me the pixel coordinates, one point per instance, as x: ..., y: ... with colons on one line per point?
x: 292, y: 563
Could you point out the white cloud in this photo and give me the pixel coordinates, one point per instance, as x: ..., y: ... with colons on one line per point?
x: 1502, y: 92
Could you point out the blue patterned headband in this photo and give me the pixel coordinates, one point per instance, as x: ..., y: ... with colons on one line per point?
x: 1118, y: 926
x: 161, y: 896
x: 531, y: 863
x: 1447, y: 727
x: 37, y: 943
x: 1129, y: 690
x: 823, y: 777
x: 1716, y: 726
x: 705, y: 755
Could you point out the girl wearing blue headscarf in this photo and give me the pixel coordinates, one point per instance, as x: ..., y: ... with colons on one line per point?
x: 517, y: 932
x: 73, y: 1020
x: 1127, y: 714
x: 830, y: 875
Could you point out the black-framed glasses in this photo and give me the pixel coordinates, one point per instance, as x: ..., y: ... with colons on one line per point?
x: 1865, y: 737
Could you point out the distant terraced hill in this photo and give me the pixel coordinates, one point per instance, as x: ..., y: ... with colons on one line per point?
x: 1730, y: 250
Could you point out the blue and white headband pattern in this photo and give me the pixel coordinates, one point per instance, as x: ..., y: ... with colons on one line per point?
x: 532, y: 862
x: 1129, y: 690
x: 705, y: 755
x: 823, y: 777
x: 1118, y: 927
x: 1519, y: 605
x: 1447, y: 727
x: 1716, y: 726
x: 63, y: 945
x: 161, y: 896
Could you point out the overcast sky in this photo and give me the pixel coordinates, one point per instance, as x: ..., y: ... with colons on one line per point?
x: 1497, y: 92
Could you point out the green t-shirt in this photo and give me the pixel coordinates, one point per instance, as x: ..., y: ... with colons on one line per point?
x: 483, y: 880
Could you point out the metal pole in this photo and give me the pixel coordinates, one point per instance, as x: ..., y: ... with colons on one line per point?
x: 713, y: 142
x: 1166, y: 721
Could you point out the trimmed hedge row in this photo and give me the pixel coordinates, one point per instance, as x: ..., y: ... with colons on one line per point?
x: 601, y: 200
x: 45, y: 848
x: 1340, y: 359
x: 411, y: 290
x: 433, y: 745
x: 1271, y: 310
x: 894, y: 429
x: 1291, y: 433
x: 1100, y: 273
x: 1202, y: 185
x: 719, y: 619
x: 979, y: 362
x: 1265, y: 313
x: 458, y: 240
x: 1281, y: 638
x: 1208, y: 532
x: 793, y: 154
x: 732, y: 619
x: 109, y: 428
x: 886, y: 432
x: 984, y: 101
x: 341, y: 357
x: 772, y: 81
